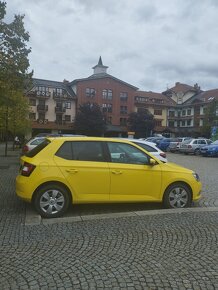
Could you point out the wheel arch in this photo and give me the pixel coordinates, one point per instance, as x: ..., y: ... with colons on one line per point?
x: 178, y: 182
x: 54, y: 182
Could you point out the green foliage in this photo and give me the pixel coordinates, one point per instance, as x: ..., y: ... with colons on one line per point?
x: 90, y: 120
x: 211, y: 118
x: 14, y: 75
x: 142, y: 123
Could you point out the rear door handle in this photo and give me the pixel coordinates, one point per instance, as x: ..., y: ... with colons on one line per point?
x: 72, y: 170
x: 117, y: 172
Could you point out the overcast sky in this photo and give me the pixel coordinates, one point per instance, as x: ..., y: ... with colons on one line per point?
x: 149, y: 44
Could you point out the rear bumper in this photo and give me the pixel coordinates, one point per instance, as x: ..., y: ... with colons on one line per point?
x: 22, y: 190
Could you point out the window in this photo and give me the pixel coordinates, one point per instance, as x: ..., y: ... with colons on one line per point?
x: 67, y: 105
x: 123, y: 97
x: 158, y: 123
x: 123, y: 121
x: 157, y: 112
x: 146, y: 147
x: 189, y: 112
x: 171, y: 124
x: 41, y: 116
x: 188, y: 122
x: 32, y: 102
x: 67, y: 118
x: 123, y: 110
x: 183, y: 112
x: 107, y: 108
x: 183, y: 123
x: 81, y: 151
x: 141, y: 99
x: 107, y: 94
x: 90, y: 92
x: 42, y: 89
x: 125, y: 153
x: 32, y: 116
x: 109, y: 120
x: 171, y: 113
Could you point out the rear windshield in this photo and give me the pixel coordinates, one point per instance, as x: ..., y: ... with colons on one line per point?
x: 38, y: 148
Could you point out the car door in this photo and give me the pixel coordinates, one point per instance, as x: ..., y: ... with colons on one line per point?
x: 83, y: 165
x: 132, y: 179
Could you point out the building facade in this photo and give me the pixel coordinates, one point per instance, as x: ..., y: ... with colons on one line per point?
x: 178, y: 111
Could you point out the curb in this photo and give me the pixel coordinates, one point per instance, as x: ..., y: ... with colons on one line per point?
x: 33, y: 219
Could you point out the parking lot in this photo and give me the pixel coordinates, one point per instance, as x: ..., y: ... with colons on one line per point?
x: 127, y: 246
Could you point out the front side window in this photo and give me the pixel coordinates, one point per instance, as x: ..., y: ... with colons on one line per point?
x: 125, y: 153
x: 81, y: 151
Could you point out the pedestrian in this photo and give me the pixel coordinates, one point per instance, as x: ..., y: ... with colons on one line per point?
x: 16, y: 141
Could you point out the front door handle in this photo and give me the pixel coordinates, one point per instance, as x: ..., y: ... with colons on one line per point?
x: 117, y: 172
x: 72, y: 170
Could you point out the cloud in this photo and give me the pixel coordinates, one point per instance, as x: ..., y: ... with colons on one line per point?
x: 147, y: 43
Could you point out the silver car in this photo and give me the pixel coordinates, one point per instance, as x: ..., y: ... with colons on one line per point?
x: 193, y: 146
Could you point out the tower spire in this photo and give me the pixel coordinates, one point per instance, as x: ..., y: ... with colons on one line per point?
x: 100, y: 68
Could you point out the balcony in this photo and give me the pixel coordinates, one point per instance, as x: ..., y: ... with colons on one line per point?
x: 42, y: 108
x: 59, y: 110
x: 42, y: 121
x: 59, y: 96
x: 42, y: 94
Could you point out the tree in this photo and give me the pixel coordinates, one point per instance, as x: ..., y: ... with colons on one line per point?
x: 90, y: 120
x: 211, y: 119
x: 14, y: 75
x: 142, y: 123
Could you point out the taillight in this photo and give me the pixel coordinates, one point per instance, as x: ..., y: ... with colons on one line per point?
x: 163, y: 155
x: 27, y: 169
x: 189, y: 146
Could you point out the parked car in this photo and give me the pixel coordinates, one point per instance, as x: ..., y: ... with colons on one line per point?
x: 60, y: 171
x: 155, y: 140
x: 32, y: 143
x: 150, y: 147
x: 193, y: 146
x: 210, y: 150
x: 164, y: 143
x: 175, y: 145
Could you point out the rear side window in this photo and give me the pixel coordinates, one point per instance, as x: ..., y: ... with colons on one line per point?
x: 81, y: 151
x: 38, y: 148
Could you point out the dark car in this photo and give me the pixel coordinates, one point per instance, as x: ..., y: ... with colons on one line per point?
x: 164, y: 143
x: 155, y: 140
x: 210, y: 150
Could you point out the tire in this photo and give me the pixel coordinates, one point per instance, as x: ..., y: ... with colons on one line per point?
x: 197, y: 152
x: 177, y: 195
x: 51, y: 201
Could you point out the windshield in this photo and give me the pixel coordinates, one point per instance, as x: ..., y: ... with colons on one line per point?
x: 215, y: 142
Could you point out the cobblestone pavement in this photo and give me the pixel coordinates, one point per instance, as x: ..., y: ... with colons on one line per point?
x: 152, y: 250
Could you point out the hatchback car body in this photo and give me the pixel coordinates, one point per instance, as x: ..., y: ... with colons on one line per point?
x: 210, y: 150
x: 193, y: 146
x: 175, y: 145
x: 149, y: 147
x: 65, y: 170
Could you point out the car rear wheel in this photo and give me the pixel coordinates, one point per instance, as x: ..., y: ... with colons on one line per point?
x: 51, y: 200
x: 177, y: 195
x: 197, y: 152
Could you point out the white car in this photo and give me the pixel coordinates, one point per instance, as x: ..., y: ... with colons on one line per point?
x: 150, y: 147
x: 32, y: 143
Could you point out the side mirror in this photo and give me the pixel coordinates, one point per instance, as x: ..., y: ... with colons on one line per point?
x: 152, y: 162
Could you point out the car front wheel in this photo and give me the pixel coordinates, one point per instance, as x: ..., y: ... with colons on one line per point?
x: 51, y: 201
x: 177, y: 195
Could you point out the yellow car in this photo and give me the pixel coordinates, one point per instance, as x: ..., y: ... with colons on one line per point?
x: 65, y: 170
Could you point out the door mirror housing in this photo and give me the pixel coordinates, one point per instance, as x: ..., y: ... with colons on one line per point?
x: 152, y: 162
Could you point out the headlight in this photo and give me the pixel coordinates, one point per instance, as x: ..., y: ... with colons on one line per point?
x: 196, y: 176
